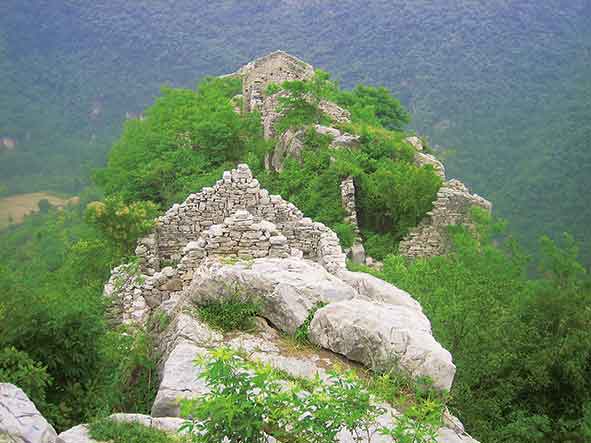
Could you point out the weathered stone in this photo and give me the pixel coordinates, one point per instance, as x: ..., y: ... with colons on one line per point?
x: 415, y: 142
x: 383, y: 335
x: 20, y: 421
x: 422, y: 159
x: 289, y: 287
x: 77, y: 434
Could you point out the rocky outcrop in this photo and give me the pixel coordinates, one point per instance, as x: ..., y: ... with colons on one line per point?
x: 381, y: 321
x: 381, y: 336
x: 20, y: 421
x: 452, y: 207
x: 289, y: 145
x: 423, y: 159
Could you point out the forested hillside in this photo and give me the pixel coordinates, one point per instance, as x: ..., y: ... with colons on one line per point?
x: 505, y: 84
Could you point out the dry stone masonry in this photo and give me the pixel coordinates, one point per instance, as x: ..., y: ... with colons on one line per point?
x: 237, y: 190
x: 275, y: 67
x: 452, y: 207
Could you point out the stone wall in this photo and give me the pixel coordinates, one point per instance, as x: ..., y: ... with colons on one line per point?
x: 237, y: 190
x: 275, y: 67
x: 235, y: 219
x: 452, y: 207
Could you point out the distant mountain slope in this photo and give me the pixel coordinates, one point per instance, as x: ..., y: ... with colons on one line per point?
x: 506, y: 83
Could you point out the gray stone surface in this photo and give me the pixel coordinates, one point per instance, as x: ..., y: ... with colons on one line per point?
x: 20, y: 421
x: 289, y: 288
x: 77, y: 434
x: 383, y: 335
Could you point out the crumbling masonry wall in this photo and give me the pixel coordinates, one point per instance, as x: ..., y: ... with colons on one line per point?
x: 452, y: 207
x: 276, y: 67
x: 237, y: 190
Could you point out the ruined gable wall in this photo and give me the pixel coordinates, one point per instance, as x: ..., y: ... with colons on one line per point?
x: 237, y: 190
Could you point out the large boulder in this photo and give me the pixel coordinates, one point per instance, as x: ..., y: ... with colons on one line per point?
x: 289, y: 288
x: 383, y: 335
x: 20, y: 421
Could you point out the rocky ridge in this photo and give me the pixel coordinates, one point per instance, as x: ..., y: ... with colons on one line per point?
x: 236, y: 237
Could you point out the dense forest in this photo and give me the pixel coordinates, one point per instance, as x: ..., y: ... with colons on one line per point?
x: 521, y: 344
x: 501, y: 87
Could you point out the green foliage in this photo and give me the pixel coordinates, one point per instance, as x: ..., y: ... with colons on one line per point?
x: 122, y: 432
x: 299, y: 103
x: 184, y: 142
x: 396, y: 196
x: 248, y: 400
x: 346, y: 233
x: 523, y: 373
x: 58, y: 263
x: 18, y: 368
x: 232, y: 311
x: 123, y: 224
x: 374, y: 106
x: 302, y: 333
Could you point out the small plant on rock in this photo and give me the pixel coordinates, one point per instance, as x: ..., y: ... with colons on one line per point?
x: 233, y: 311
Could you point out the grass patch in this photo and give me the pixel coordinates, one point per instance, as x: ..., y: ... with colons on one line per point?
x: 116, y: 432
x: 233, y: 312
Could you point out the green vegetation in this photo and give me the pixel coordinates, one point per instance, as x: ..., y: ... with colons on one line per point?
x: 57, y: 346
x: 520, y: 339
x: 121, y: 432
x: 522, y: 346
x: 233, y: 311
x: 248, y: 400
x: 302, y: 333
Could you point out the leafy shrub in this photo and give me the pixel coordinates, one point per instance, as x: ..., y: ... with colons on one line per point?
x: 396, y: 197
x: 186, y: 135
x: 123, y: 432
x: 536, y: 339
x: 18, y: 368
x: 233, y: 311
x: 374, y: 106
x: 248, y: 400
x: 379, y: 246
x: 120, y: 222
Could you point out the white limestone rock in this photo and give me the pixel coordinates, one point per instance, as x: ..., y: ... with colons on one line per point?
x: 289, y: 288
x: 20, y: 421
x: 383, y: 335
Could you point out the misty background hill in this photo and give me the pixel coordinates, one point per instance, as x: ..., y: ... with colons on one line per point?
x: 504, y: 84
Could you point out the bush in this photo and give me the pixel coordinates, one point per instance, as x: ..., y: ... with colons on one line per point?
x: 249, y: 400
x: 346, y: 233
x: 18, y: 368
x: 396, y: 197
